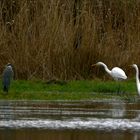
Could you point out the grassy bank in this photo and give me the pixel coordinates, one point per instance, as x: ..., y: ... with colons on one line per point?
x: 70, y: 90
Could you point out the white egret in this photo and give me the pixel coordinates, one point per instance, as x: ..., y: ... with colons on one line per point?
x: 116, y: 72
x: 137, y: 78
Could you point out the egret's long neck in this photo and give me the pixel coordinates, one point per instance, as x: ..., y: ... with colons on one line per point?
x: 106, y: 69
x: 137, y: 75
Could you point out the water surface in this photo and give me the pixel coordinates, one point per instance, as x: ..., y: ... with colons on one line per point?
x: 71, y: 120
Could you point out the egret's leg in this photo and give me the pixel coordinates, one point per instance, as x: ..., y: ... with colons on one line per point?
x: 119, y: 89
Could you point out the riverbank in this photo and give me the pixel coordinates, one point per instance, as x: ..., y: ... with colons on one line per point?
x: 70, y: 90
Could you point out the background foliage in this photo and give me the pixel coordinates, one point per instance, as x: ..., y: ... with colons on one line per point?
x: 62, y: 38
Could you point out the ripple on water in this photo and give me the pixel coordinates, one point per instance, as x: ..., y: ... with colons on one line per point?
x: 75, y: 123
x: 111, y: 115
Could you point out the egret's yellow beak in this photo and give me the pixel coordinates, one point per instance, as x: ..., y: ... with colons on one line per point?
x: 93, y: 65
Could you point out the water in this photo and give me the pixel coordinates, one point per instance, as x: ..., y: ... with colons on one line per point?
x: 69, y: 120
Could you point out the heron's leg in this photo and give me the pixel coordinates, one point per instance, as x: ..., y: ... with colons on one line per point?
x: 5, y: 89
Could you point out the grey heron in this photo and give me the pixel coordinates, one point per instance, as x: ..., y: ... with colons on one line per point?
x: 7, y: 76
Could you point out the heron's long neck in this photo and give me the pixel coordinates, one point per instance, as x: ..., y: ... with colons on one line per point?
x: 137, y: 76
x: 106, y: 69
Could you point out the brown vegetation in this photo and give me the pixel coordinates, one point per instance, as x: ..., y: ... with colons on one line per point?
x: 60, y: 39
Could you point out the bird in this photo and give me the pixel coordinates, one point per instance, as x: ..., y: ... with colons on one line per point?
x: 116, y: 73
x: 137, y: 77
x: 7, y: 76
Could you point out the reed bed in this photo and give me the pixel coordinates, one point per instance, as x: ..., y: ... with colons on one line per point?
x: 60, y: 39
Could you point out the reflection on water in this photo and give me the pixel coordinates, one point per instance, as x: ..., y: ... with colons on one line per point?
x: 118, y: 110
x: 32, y: 134
x: 71, y: 120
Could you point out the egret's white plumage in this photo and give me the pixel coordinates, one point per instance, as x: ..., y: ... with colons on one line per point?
x: 137, y: 78
x: 116, y: 72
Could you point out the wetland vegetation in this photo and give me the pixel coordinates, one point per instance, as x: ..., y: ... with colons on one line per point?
x: 70, y: 90
x: 61, y: 39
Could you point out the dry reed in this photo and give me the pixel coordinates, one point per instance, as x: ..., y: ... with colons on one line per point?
x: 61, y: 39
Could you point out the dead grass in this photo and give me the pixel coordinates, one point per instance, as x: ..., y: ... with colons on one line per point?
x: 61, y: 39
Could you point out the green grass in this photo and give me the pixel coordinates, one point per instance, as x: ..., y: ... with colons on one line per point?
x: 71, y: 90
